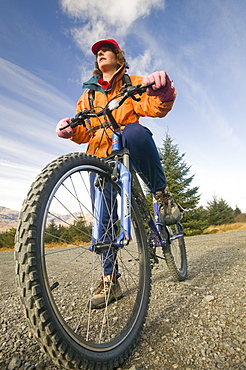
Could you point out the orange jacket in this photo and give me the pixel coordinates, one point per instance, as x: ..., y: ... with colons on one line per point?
x: 131, y: 110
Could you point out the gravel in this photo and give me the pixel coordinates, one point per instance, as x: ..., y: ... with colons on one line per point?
x: 196, y: 324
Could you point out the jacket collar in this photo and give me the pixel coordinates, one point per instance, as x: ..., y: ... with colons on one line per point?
x: 93, y: 84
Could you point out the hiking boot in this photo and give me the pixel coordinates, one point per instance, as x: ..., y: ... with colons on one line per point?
x: 109, y: 290
x: 169, y: 211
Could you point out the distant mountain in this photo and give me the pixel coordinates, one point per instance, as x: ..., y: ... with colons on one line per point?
x: 8, y: 218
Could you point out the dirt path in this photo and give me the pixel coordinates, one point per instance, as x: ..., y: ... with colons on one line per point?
x: 197, y: 324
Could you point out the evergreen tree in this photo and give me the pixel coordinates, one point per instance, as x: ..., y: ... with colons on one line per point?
x: 65, y: 233
x: 80, y: 231
x: 179, y: 183
x: 219, y: 212
x: 237, y: 211
x: 51, y: 233
x: 7, y: 238
x: 178, y: 174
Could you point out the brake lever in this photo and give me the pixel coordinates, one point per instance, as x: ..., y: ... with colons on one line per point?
x: 79, y: 119
x: 142, y: 89
x: 76, y: 122
x: 139, y: 89
x: 132, y: 90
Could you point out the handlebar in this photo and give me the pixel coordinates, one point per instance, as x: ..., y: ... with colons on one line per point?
x: 114, y: 103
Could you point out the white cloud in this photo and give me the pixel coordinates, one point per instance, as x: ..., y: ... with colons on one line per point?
x: 29, y: 109
x: 108, y: 18
x: 15, y: 181
x: 18, y: 82
x: 144, y: 63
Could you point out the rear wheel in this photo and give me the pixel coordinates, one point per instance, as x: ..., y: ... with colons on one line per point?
x: 175, y: 251
x: 57, y: 271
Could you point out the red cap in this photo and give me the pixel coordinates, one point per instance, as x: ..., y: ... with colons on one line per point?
x: 97, y: 45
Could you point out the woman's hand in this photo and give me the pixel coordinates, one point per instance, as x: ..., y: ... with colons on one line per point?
x: 162, y: 88
x: 67, y: 132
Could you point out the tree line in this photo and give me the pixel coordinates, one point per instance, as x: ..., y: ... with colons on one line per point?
x: 78, y: 231
x: 177, y: 171
x: 197, y: 219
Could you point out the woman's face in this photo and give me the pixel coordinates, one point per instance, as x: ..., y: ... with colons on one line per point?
x: 106, y: 59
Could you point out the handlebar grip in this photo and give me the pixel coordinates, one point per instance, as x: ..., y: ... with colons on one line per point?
x: 77, y: 121
x: 64, y: 127
x: 150, y: 84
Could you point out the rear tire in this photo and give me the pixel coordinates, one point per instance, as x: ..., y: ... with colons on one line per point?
x: 56, y: 281
x: 174, y: 251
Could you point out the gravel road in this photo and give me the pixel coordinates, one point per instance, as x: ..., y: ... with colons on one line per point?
x: 197, y: 324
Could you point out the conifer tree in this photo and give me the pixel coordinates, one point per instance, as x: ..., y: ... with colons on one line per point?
x: 219, y: 212
x: 180, y: 184
x: 237, y: 212
x: 178, y: 174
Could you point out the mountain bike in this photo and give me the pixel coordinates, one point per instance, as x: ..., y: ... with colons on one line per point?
x: 60, y: 241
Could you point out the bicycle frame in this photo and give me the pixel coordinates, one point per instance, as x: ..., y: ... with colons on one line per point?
x: 123, y: 177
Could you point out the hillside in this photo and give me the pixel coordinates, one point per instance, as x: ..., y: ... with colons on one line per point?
x: 8, y: 218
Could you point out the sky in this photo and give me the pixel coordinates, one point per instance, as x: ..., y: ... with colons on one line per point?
x: 45, y: 55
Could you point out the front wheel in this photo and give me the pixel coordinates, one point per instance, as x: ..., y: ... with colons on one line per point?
x: 58, y: 269
x: 174, y: 251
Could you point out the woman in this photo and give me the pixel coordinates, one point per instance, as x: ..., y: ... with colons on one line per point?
x: 158, y: 100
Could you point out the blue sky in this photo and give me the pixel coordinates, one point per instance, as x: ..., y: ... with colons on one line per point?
x: 45, y: 56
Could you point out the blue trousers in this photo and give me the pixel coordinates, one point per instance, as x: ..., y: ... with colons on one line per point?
x: 139, y: 141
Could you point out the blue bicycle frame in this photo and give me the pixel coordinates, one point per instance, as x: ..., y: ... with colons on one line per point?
x: 124, y: 181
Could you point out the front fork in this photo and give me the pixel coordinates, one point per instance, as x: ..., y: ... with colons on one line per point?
x: 125, y: 220
x: 121, y: 175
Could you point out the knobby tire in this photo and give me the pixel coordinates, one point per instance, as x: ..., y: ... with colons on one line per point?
x: 56, y: 281
x: 174, y: 251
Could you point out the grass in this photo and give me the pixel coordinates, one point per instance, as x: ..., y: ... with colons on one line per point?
x: 219, y: 229
x: 51, y: 246
x: 212, y: 229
